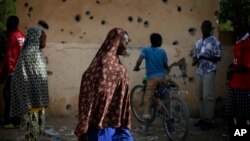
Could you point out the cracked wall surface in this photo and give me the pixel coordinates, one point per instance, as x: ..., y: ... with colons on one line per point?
x: 77, y: 28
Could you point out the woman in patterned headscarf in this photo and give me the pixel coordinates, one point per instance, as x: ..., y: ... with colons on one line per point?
x: 104, y: 110
x: 29, y: 88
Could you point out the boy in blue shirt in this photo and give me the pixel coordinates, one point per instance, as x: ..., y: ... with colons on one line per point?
x: 156, y: 66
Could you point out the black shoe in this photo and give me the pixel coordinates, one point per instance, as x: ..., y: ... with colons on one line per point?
x: 199, y: 123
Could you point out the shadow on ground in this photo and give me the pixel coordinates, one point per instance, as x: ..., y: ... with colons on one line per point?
x: 62, y: 129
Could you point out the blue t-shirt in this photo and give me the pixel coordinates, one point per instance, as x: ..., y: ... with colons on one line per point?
x: 155, y: 60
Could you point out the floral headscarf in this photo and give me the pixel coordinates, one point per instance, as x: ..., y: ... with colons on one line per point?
x: 104, y: 98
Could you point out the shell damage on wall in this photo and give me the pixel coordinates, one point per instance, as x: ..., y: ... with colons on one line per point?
x: 77, y: 28
x: 182, y: 66
x: 132, y: 19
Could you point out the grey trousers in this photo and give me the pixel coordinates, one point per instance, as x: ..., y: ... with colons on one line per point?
x: 206, y: 95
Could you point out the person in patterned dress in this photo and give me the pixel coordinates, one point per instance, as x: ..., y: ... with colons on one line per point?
x: 206, y: 54
x: 29, y: 88
x: 104, y: 103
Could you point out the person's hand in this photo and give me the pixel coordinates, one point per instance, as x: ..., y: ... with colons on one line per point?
x: 136, y: 69
x: 195, y: 61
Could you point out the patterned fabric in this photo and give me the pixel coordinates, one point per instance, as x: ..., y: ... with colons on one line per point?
x: 104, y: 98
x: 29, y: 85
x: 238, y: 104
x: 208, y: 47
x: 33, y: 123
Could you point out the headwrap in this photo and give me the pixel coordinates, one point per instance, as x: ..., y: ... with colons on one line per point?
x: 29, y: 83
x: 104, y: 98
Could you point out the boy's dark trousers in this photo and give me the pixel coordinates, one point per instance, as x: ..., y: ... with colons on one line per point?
x: 7, y: 98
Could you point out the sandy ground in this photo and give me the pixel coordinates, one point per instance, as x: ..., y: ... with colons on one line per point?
x: 64, y: 126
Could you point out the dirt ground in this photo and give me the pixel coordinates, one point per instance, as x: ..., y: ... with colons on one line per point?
x: 62, y: 128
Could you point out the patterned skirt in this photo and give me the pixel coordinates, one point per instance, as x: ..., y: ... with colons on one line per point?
x: 238, y: 103
x: 33, y: 123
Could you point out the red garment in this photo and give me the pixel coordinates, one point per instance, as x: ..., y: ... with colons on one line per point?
x: 104, y: 98
x: 241, y: 80
x: 15, y: 41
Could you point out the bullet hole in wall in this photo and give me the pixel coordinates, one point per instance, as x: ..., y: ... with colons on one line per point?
x: 91, y: 17
x: 71, y: 33
x: 98, y: 2
x: 43, y: 24
x: 26, y: 4
x: 62, y: 29
x: 49, y: 72
x: 69, y: 107
x: 87, y: 12
x: 29, y: 15
x: 216, y: 13
x: 175, y: 43
x: 146, y: 24
x: 63, y: 42
x: 191, y: 10
x: 63, y: 0
x: 165, y: 1
x: 192, y: 31
x: 130, y: 18
x: 84, y: 33
x: 139, y: 19
x: 191, y: 79
x: 103, y: 22
x: 30, y: 9
x: 179, y: 8
x: 77, y: 17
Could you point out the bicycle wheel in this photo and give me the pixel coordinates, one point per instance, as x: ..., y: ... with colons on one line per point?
x: 177, y: 124
x: 137, y: 104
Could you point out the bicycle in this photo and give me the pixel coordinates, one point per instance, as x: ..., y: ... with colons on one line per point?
x: 167, y: 105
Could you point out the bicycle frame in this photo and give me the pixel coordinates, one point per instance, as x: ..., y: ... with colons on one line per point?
x: 166, y: 103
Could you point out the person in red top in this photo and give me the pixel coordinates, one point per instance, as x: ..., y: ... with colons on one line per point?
x: 15, y: 41
x: 238, y: 100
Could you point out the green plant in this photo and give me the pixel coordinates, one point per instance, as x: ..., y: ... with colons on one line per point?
x: 231, y: 8
x: 7, y: 8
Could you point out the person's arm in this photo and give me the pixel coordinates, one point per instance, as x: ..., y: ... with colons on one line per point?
x: 233, y: 69
x: 43, y: 40
x: 13, y: 47
x: 165, y: 62
x: 166, y: 67
x: 138, y: 63
x: 194, y: 55
x: 213, y: 59
x: 215, y: 56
